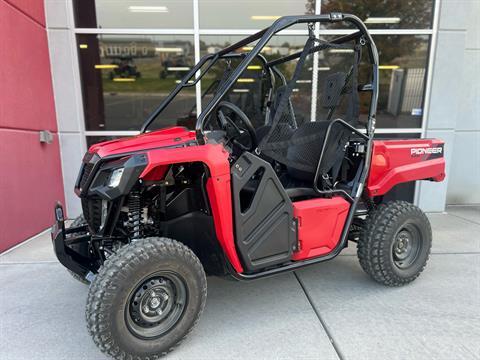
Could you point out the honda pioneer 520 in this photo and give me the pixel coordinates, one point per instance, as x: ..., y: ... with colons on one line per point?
x: 260, y: 186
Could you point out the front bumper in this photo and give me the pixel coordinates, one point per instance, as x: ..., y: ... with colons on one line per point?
x: 67, y: 242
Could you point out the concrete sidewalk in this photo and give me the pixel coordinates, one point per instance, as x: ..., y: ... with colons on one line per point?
x: 328, y: 311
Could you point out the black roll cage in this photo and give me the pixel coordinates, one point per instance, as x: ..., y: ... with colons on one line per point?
x: 264, y: 36
x: 364, y: 37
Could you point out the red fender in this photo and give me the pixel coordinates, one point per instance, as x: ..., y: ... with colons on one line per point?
x: 215, y: 157
x: 400, y: 161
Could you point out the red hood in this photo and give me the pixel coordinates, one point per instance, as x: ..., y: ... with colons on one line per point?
x: 155, y: 139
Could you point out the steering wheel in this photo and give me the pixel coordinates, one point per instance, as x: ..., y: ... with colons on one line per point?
x: 236, y: 129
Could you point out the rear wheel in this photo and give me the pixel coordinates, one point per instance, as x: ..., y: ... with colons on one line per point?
x: 146, y: 299
x: 395, y: 243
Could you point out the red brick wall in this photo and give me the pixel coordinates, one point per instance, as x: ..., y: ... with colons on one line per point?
x: 30, y: 172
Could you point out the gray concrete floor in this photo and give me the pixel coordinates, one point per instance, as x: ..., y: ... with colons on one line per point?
x: 328, y: 311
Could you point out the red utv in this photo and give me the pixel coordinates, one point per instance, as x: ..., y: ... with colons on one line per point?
x: 245, y: 195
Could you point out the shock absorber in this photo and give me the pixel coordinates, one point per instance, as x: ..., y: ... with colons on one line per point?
x: 134, y: 214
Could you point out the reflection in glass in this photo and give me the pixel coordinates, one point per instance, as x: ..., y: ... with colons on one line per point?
x: 252, y: 89
x: 151, y: 14
x: 125, y: 77
x: 249, y: 14
x: 394, y: 136
x: 381, y: 14
x: 403, y: 64
x: 248, y: 93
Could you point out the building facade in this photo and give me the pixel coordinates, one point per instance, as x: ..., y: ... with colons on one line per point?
x: 30, y: 168
x: 113, y: 61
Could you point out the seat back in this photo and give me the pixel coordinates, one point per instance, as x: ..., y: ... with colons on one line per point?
x: 307, y: 144
x: 332, y: 90
x: 304, y: 152
x: 288, y: 111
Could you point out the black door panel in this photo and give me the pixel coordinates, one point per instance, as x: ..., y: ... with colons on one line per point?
x: 265, y: 231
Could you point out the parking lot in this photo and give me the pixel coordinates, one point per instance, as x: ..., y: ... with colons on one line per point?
x: 328, y: 311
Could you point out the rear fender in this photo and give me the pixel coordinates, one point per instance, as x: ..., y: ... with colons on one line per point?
x: 215, y: 157
x: 400, y: 161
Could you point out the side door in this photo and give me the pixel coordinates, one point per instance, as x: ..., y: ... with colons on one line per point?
x: 265, y: 229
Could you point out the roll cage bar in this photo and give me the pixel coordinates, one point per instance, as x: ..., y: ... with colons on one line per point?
x: 264, y: 36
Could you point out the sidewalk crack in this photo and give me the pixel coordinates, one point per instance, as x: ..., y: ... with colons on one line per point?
x: 334, y: 343
x: 462, y: 218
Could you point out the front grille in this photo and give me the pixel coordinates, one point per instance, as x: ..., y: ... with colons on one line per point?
x: 92, y: 211
x: 92, y: 207
x: 84, y: 176
x: 86, y: 171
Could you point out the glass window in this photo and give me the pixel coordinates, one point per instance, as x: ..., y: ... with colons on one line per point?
x: 384, y: 14
x: 252, y: 89
x: 249, y: 14
x: 403, y: 62
x: 249, y: 93
x: 403, y: 71
x: 125, y: 77
x: 151, y: 14
x: 334, y: 79
x: 397, y: 136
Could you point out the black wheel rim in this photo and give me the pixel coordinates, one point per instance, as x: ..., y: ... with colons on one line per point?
x: 406, y: 246
x: 156, y: 305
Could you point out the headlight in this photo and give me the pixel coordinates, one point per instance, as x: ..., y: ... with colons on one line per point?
x: 115, y: 178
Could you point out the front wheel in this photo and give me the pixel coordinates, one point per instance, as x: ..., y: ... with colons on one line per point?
x: 395, y: 243
x: 145, y: 299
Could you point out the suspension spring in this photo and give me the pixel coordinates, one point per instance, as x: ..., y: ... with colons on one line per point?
x: 134, y: 214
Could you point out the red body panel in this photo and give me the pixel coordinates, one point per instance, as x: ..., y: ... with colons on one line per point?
x: 400, y: 161
x: 144, y: 142
x: 219, y: 193
x: 214, y: 156
x: 320, y: 224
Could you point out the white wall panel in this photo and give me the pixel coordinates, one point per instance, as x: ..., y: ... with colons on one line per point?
x: 71, y: 150
x: 464, y: 174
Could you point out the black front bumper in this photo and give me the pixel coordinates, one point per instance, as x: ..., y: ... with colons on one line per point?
x: 66, y: 240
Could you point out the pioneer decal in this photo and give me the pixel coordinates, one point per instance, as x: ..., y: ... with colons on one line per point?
x: 427, y: 152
